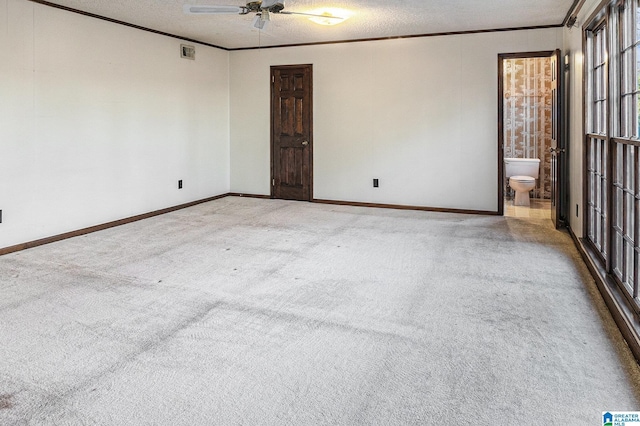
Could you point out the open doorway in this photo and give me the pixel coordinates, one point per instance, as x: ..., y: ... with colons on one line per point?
x: 528, y: 134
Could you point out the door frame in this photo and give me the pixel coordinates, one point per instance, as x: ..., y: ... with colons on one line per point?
x: 272, y: 104
x: 501, y: 175
x: 559, y: 153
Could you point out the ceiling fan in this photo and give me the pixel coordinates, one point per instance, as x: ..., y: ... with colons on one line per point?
x: 262, y: 9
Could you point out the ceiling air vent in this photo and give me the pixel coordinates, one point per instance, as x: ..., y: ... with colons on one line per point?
x: 187, y: 52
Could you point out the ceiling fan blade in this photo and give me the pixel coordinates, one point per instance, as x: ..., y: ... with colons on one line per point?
x: 190, y: 9
x: 315, y: 15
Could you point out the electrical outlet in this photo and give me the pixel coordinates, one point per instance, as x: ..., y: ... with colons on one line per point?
x: 180, y: 184
x: 376, y: 184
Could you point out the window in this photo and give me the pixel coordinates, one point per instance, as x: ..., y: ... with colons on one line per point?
x: 597, y: 140
x: 612, y: 144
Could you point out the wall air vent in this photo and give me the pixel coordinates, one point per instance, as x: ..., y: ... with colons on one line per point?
x: 187, y: 52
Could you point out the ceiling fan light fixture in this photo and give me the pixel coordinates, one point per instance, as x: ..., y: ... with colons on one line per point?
x: 261, y: 20
x: 330, y: 16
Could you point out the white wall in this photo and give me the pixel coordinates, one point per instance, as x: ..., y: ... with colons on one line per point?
x: 420, y: 114
x: 99, y: 121
x: 573, y: 46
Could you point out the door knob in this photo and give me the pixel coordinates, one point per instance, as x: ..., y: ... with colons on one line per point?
x: 305, y: 143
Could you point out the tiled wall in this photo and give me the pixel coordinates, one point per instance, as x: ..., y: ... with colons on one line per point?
x: 527, y: 115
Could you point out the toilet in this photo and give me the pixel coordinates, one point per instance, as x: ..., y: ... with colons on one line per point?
x: 522, y: 174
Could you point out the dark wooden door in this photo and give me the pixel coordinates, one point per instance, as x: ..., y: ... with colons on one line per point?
x: 557, y: 144
x: 291, y: 132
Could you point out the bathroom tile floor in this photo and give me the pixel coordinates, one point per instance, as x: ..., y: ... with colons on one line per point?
x: 539, y: 209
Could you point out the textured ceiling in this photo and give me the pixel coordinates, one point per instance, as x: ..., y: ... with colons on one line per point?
x: 369, y: 19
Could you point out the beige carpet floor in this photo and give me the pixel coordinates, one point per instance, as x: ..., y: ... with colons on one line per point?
x: 267, y: 312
